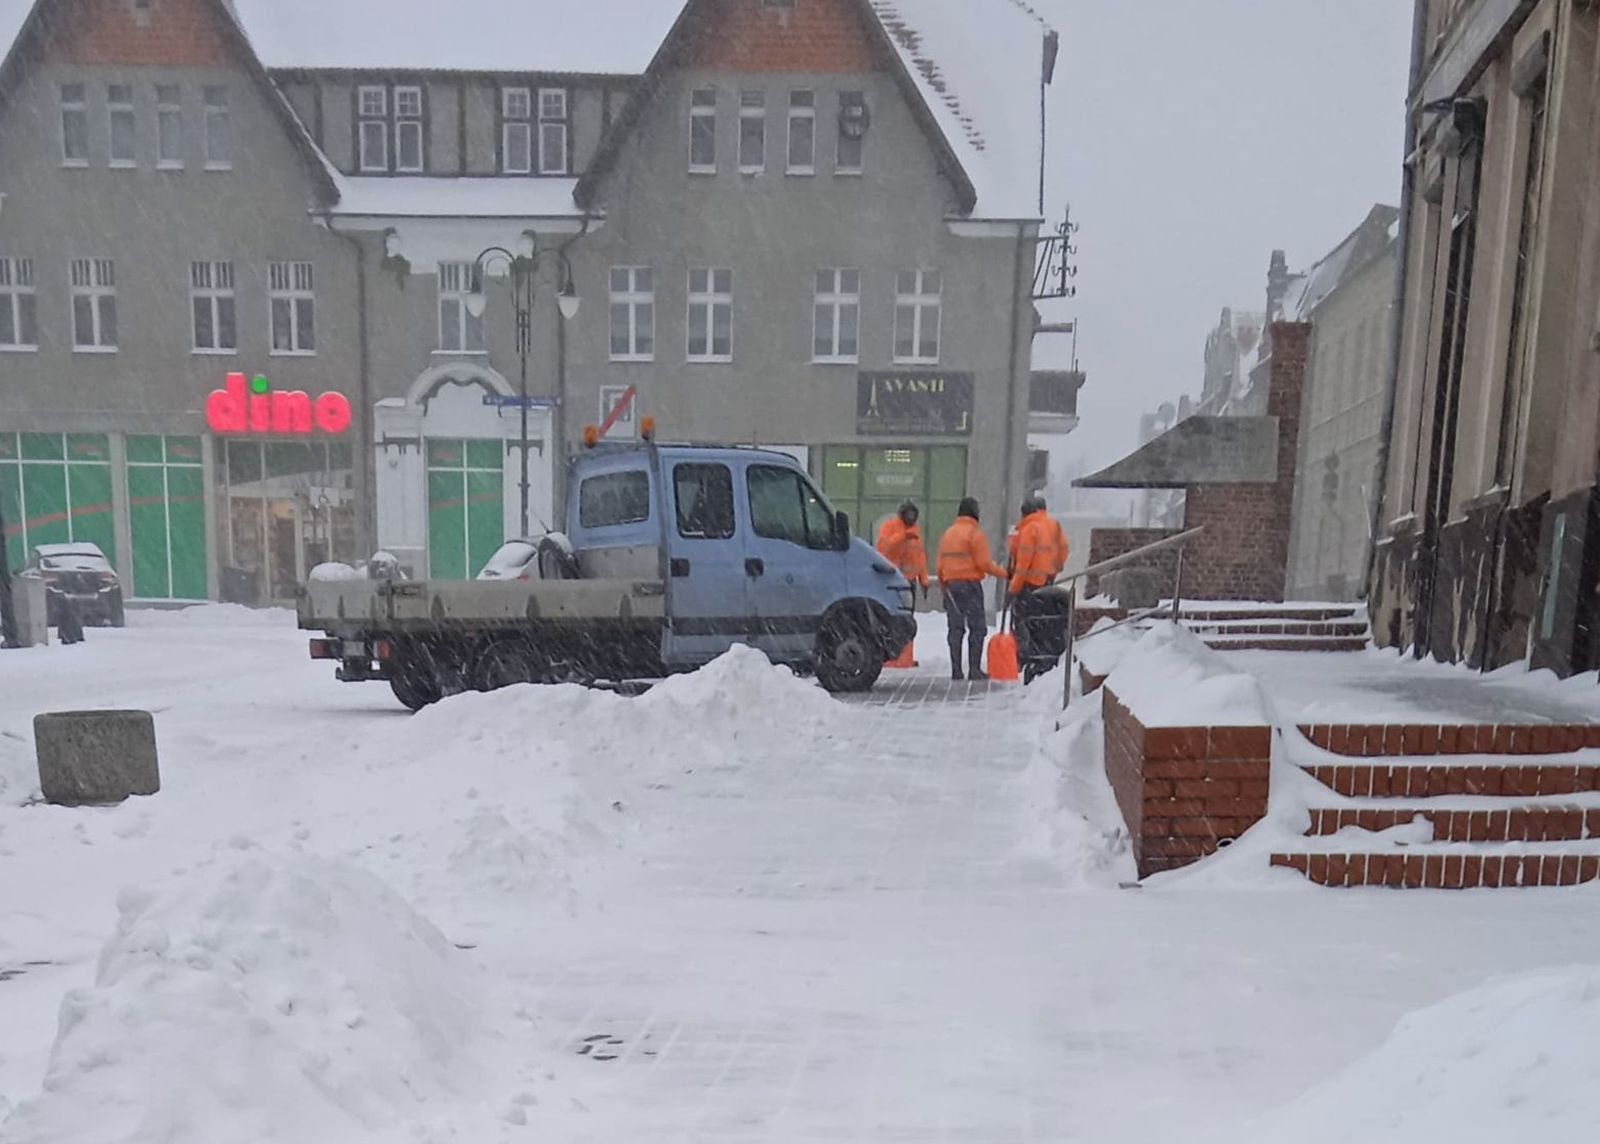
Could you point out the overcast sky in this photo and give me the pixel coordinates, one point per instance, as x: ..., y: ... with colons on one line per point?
x: 1193, y: 137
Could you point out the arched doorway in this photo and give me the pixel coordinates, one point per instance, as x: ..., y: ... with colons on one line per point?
x: 448, y: 470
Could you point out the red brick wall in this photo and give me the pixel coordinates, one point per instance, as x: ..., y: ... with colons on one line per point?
x: 746, y: 36
x: 1104, y: 543
x: 1184, y: 791
x: 169, y: 33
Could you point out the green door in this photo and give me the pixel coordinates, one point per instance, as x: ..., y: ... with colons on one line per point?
x: 166, y: 514
x: 466, y: 506
x: 871, y: 484
x: 56, y: 488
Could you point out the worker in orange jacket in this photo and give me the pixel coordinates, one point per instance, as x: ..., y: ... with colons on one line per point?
x: 900, y: 542
x: 1041, y: 554
x: 964, y: 563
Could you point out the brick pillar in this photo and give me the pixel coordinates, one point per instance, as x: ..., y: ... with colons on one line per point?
x: 1291, y: 343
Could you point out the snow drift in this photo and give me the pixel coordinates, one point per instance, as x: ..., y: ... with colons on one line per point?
x: 1516, y: 1058
x: 289, y: 999
x: 1170, y: 678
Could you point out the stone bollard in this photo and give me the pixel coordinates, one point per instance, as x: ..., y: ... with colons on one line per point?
x: 90, y: 758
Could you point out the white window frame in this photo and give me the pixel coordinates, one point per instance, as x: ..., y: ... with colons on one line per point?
x: 516, y: 121
x: 709, y: 301
x: 833, y: 300
x: 74, y: 99
x: 840, y: 167
x: 454, y: 282
x: 554, y: 117
x: 916, y: 305
x: 802, y: 109
x: 372, y: 129
x: 293, y: 283
x: 169, y: 112
x: 700, y: 108
x: 16, y: 284
x: 407, y: 122
x: 96, y: 280
x: 219, y: 130
x: 637, y: 299
x: 211, y: 283
x: 753, y: 110
x: 119, y: 110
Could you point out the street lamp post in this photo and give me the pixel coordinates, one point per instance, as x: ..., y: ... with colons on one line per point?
x: 523, y: 268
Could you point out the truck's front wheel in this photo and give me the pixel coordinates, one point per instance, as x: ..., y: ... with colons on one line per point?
x: 849, y: 656
x: 505, y: 663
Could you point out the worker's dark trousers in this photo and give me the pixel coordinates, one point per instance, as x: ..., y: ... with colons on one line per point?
x: 963, y: 607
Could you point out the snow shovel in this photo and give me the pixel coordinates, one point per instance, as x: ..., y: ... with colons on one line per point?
x: 1003, y: 652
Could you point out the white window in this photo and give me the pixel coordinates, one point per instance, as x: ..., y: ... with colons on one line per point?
x: 516, y: 131
x: 703, y: 132
x: 293, y: 300
x: 459, y: 331
x: 94, y: 305
x: 216, y: 329
x: 219, y: 130
x: 802, y: 133
x: 74, y: 125
x: 752, y: 132
x: 553, y: 131
x: 837, y: 320
x: 917, y: 310
x: 852, y: 132
x: 633, y: 313
x: 18, y: 313
x: 121, y: 125
x: 169, y: 126
x: 710, y: 315
x: 372, y: 128
x: 408, y: 129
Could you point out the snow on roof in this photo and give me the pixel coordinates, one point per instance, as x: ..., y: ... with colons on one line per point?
x: 978, y: 64
x: 425, y: 197
x: 602, y: 37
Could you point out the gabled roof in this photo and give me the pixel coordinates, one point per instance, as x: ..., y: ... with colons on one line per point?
x: 36, y: 16
x: 1343, y: 262
x: 1197, y: 450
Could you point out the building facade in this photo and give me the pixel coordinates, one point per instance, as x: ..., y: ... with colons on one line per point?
x: 1487, y: 545
x: 778, y: 224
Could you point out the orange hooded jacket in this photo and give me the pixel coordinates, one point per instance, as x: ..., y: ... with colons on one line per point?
x: 901, y: 544
x: 1042, y: 552
x: 964, y: 554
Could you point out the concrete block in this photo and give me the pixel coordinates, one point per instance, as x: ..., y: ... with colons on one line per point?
x: 92, y: 758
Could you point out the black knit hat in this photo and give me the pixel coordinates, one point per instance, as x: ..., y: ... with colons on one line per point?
x: 968, y: 507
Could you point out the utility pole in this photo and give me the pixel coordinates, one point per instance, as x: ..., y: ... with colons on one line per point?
x: 8, y: 615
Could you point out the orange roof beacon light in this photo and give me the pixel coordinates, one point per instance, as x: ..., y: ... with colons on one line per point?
x: 591, y: 436
x: 647, y: 428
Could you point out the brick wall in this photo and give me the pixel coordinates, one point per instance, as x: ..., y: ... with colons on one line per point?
x: 1184, y: 791
x: 748, y: 36
x: 1104, y: 543
x: 169, y: 33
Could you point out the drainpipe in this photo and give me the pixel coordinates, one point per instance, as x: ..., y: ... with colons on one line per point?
x: 363, y: 454
x: 1012, y: 380
x: 1397, y: 321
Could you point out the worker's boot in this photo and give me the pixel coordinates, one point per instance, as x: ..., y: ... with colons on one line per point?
x: 976, y: 672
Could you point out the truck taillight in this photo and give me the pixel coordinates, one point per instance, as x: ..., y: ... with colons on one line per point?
x: 383, y: 650
x: 324, y: 649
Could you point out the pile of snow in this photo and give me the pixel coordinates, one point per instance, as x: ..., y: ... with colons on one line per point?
x: 742, y: 691
x: 1169, y: 678
x: 1072, y: 818
x: 220, y: 615
x: 1518, y: 1057
x: 288, y: 999
x: 1103, y: 646
x: 335, y: 570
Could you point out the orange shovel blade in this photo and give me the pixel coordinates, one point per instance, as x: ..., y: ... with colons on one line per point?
x: 904, y: 659
x: 1003, y: 658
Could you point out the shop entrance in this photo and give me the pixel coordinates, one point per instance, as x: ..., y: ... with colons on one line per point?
x: 466, y: 506
x: 56, y: 489
x: 872, y: 483
x: 290, y: 508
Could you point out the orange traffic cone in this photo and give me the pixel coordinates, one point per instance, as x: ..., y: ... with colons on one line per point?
x: 905, y: 658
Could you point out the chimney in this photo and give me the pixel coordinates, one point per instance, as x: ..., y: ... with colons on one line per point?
x: 1278, y: 279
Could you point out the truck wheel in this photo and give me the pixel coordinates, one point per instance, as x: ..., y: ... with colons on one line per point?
x: 849, y: 657
x: 504, y: 663
x: 414, y: 683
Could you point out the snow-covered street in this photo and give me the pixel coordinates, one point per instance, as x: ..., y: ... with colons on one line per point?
x: 732, y: 909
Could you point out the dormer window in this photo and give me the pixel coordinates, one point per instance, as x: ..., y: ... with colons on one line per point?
x: 389, y: 135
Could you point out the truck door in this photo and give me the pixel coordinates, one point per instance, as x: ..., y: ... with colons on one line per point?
x: 796, y: 568
x: 708, y: 593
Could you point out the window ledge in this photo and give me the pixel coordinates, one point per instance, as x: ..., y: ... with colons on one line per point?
x: 704, y: 171
x: 848, y: 172
x: 123, y: 164
x: 200, y: 352
x: 633, y: 358
x: 803, y: 172
x: 218, y: 166
x: 460, y: 353
x: 836, y: 361
x: 170, y: 165
x: 914, y: 361
x: 75, y: 164
x: 18, y: 348
x: 94, y: 349
x: 292, y: 353
x: 693, y: 360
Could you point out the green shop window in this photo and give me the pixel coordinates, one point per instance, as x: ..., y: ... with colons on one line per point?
x: 872, y: 483
x: 55, y: 488
x: 466, y: 505
x: 167, y: 518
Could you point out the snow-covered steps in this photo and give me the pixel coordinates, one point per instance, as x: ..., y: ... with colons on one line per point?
x: 1467, y: 820
x: 1261, y: 626
x: 1495, y: 776
x: 1451, y: 867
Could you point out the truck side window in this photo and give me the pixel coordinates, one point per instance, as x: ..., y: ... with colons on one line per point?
x: 614, y: 498
x: 784, y: 506
x: 705, y: 501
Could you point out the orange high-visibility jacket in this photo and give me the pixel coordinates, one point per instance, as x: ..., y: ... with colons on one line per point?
x: 964, y: 554
x: 1041, y: 552
x: 901, y: 544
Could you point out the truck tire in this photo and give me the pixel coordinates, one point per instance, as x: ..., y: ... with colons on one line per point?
x: 849, y: 656
x: 414, y: 682
x: 505, y: 663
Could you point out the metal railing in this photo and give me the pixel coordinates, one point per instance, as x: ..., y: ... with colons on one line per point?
x: 1068, y: 587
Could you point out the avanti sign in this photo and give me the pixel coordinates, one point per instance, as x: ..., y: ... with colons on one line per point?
x: 255, y: 407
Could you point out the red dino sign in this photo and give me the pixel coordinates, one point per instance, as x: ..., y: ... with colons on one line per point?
x: 255, y: 407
